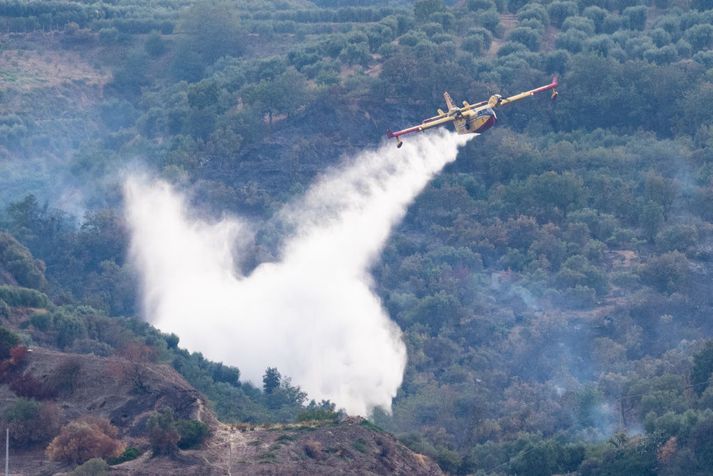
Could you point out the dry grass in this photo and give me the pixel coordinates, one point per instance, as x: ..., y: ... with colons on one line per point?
x: 26, y: 69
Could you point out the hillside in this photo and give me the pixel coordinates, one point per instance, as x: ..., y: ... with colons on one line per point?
x: 553, y: 283
x: 129, y: 391
x: 346, y: 447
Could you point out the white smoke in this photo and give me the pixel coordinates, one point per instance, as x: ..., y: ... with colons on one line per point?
x: 313, y: 314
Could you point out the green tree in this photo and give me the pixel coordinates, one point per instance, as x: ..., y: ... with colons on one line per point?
x: 31, y: 422
x: 192, y: 433
x: 702, y: 368
x: 16, y: 259
x: 8, y: 340
x: 423, y: 9
x: 699, y: 36
x: 668, y: 272
x: 208, y: 30
x: 652, y: 217
x: 559, y: 11
x: 271, y: 380
x: 155, y: 46
x: 284, y: 94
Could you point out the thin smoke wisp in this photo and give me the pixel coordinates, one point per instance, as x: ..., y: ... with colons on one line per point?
x: 313, y: 313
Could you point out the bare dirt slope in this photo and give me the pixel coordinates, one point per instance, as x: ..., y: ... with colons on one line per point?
x: 127, y: 392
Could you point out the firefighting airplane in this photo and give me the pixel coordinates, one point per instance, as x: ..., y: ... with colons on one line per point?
x: 471, y: 118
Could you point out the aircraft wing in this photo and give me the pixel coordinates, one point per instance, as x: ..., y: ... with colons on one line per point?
x: 531, y: 92
x: 427, y: 124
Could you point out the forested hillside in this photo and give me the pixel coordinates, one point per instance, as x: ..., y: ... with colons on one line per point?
x: 552, y: 284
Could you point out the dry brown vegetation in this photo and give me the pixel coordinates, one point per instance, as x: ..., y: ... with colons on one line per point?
x: 85, y: 438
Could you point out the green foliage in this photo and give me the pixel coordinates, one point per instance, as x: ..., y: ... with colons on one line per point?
x: 559, y: 11
x: 626, y: 457
x: 209, y: 30
x: 578, y: 271
x: 668, y: 272
x: 163, y: 432
x: 155, y: 46
x: 279, y: 393
x: 17, y: 260
x: 285, y: 92
x: 129, y: 454
x: 30, y: 422
x: 677, y: 238
x: 566, y: 248
x: 92, y: 467
x: 635, y: 17
x: 23, y: 297
x: 475, y: 5
x: 271, y: 380
x: 68, y: 327
x: 526, y: 36
x: 702, y: 368
x: 424, y: 9
x: 324, y: 410
x: 547, y: 458
x: 699, y: 36
x: 8, y: 340
x: 192, y: 433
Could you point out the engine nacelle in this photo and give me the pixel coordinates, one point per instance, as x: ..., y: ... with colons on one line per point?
x: 482, y: 121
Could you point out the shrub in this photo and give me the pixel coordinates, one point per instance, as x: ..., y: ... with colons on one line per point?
x: 667, y: 273
x: 700, y: 37
x: 559, y: 11
x: 23, y: 297
x: 597, y: 15
x: 18, y: 260
x: 93, y: 467
x: 129, y: 454
x: 665, y: 55
x: 582, y: 24
x: 490, y: 20
x: 612, y: 23
x: 31, y: 422
x: 192, y: 433
x: 572, y: 41
x: 155, y: 46
x: 526, y: 36
x: 473, y: 45
x: 318, y: 411
x: 536, y: 11
x: 84, y: 439
x: 578, y: 271
x: 41, y: 321
x: 68, y: 327
x: 8, y: 340
x: 635, y: 17
x: 163, y: 433
x: 475, y: 5
x: 677, y: 238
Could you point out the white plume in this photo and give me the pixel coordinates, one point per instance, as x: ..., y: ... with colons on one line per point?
x: 313, y: 314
